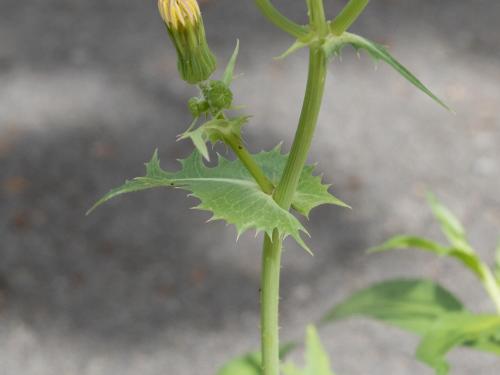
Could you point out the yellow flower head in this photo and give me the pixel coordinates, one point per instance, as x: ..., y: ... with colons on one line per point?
x: 185, y: 26
x: 177, y: 13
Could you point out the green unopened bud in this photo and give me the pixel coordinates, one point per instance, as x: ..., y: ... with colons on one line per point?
x: 217, y: 95
x: 197, y: 106
x: 185, y: 26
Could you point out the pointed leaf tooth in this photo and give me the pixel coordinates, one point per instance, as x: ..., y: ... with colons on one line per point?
x: 297, y: 45
x: 238, y: 234
x: 302, y: 244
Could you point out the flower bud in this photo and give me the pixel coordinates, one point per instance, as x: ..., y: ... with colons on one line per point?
x: 217, y: 95
x: 185, y: 26
x: 198, y: 106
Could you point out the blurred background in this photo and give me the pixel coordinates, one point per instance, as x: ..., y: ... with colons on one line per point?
x: 88, y: 89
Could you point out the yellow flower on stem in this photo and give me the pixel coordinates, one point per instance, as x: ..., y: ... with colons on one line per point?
x: 185, y: 26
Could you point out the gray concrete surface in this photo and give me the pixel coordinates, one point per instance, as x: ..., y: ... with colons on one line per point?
x: 89, y: 88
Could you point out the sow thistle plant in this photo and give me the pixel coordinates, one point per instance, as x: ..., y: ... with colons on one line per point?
x: 270, y: 191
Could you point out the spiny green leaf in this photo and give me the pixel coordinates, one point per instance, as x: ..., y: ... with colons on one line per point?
x: 412, y: 305
x: 317, y: 360
x: 378, y: 52
x: 228, y: 76
x: 451, y: 331
x: 231, y: 193
x: 450, y: 225
x: 333, y: 45
x: 227, y: 190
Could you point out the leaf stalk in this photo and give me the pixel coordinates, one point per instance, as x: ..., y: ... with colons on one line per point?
x: 348, y: 16
x: 280, y: 20
x: 248, y: 161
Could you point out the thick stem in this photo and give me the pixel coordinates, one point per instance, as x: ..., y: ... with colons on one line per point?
x: 248, y: 161
x: 305, y: 131
x: 282, y: 22
x: 269, y: 304
x: 283, y: 196
x: 348, y: 15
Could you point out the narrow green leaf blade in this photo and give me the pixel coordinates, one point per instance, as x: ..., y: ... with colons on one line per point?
x: 467, y: 258
x: 228, y: 76
x: 378, y: 52
x: 451, y: 331
x: 450, y: 225
x: 316, y: 356
x: 317, y: 360
x: 408, y: 304
x: 489, y: 344
x: 410, y: 242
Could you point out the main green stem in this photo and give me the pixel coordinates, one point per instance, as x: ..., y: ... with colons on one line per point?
x: 271, y: 258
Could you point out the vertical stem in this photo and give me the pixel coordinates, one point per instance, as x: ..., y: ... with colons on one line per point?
x: 317, y: 18
x: 284, y: 192
x: 348, y: 15
x: 269, y: 304
x: 305, y: 131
